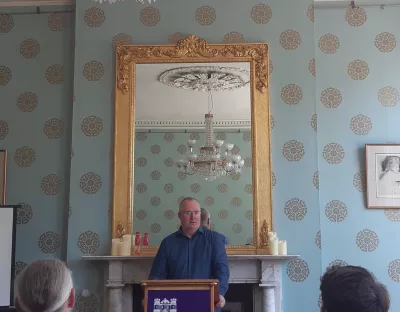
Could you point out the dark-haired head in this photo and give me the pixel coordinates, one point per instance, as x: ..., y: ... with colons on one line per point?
x: 352, y: 289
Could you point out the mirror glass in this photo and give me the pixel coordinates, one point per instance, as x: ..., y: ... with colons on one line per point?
x: 193, y: 139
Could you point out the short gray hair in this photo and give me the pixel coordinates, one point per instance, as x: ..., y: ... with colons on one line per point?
x: 181, y: 204
x: 43, y: 286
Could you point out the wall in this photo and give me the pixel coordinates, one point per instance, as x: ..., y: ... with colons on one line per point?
x: 36, y: 75
x: 288, y: 27
x: 318, y: 176
x: 357, y: 96
x: 159, y: 187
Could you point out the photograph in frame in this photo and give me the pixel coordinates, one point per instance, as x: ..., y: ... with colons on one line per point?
x: 3, y: 175
x: 383, y: 175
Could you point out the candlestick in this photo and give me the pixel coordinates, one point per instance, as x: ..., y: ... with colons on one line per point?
x: 136, y: 246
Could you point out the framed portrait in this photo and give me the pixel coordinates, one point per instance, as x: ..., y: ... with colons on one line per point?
x: 3, y: 176
x: 383, y: 175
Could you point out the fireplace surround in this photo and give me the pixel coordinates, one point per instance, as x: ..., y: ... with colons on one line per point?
x: 263, y: 271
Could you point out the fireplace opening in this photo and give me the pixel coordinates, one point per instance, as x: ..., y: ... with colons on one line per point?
x: 239, y: 298
x: 137, y: 298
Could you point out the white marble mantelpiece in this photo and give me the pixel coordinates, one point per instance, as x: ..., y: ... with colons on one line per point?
x: 262, y: 270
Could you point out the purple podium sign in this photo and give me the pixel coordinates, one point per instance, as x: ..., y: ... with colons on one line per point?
x: 179, y: 300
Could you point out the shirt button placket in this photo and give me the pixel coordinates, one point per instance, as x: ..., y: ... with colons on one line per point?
x: 189, y: 259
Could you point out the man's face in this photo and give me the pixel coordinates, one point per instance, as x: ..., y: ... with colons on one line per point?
x: 190, y: 215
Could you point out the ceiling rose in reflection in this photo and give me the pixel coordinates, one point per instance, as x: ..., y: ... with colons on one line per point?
x: 206, y: 78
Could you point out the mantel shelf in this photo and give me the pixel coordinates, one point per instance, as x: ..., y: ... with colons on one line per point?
x: 230, y: 257
x: 263, y: 271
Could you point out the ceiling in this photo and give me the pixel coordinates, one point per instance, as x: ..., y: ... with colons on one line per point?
x: 162, y: 106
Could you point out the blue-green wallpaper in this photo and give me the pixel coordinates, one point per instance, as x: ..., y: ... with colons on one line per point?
x: 343, y: 67
x: 357, y: 103
x: 36, y: 85
x: 159, y: 187
x: 288, y: 28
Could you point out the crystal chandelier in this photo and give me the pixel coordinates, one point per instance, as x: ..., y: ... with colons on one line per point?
x: 215, y: 159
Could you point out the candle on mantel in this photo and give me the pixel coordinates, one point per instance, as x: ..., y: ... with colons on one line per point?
x: 115, y: 246
x: 273, y: 247
x: 126, y: 245
x: 282, y: 248
x: 273, y: 243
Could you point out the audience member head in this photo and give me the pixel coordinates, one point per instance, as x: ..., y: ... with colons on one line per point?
x: 45, y: 286
x: 189, y: 214
x: 205, y: 218
x: 352, y: 289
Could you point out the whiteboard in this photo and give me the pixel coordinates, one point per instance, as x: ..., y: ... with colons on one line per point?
x: 7, y: 252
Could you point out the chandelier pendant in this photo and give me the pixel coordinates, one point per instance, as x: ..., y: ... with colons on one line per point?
x: 215, y: 159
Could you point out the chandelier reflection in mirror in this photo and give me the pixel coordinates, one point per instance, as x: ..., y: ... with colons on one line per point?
x: 214, y: 158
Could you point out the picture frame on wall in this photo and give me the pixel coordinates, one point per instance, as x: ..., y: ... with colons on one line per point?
x: 3, y: 176
x: 382, y: 175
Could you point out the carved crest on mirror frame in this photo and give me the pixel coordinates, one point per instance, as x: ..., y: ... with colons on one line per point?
x: 193, y: 47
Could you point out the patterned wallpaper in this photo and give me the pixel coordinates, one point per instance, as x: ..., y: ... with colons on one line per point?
x: 35, y: 121
x: 289, y: 31
x: 159, y: 187
x: 318, y: 172
x: 358, y: 48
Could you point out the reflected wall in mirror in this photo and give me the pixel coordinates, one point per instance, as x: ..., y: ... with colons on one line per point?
x: 192, y: 120
x: 198, y: 116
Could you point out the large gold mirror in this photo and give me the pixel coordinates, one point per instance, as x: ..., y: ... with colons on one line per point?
x: 192, y: 120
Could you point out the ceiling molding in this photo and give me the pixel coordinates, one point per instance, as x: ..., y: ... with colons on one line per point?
x: 22, y: 3
x: 171, y: 124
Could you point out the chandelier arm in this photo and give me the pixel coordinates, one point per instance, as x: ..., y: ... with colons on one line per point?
x: 187, y: 172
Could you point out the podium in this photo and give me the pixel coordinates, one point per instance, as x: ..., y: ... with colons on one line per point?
x: 180, y: 295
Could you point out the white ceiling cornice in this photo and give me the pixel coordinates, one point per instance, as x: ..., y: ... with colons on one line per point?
x: 192, y: 125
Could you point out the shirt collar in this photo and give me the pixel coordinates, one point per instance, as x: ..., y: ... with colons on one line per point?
x: 201, y: 230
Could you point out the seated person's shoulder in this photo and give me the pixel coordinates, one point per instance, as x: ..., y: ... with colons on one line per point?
x: 215, y: 235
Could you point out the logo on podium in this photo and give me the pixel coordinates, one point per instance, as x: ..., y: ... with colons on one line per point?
x: 165, y: 305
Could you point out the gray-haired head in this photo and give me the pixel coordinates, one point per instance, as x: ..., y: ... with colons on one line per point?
x: 45, y: 286
x: 205, y: 218
x: 183, y: 201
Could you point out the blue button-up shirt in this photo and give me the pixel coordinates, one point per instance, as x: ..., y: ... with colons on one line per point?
x: 201, y: 257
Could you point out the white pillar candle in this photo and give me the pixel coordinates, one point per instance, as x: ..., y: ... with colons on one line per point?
x: 282, y: 248
x: 115, y: 246
x: 127, y: 238
x: 126, y: 248
x: 273, y: 247
x: 272, y: 235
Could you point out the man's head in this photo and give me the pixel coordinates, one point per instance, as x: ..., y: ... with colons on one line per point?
x: 205, y: 218
x: 189, y: 214
x: 352, y: 289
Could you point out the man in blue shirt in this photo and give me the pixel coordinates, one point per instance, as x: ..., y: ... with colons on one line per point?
x: 192, y: 252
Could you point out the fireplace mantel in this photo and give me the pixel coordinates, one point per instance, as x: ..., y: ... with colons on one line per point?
x: 263, y: 270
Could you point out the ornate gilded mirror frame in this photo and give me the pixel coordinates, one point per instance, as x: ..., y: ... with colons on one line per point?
x: 193, y: 49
